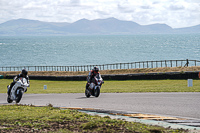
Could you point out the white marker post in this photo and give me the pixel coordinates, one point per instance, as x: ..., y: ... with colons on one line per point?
x: 190, y: 82
x: 45, y: 87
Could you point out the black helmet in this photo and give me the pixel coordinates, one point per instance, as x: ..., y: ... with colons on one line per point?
x: 24, y: 72
x: 96, y: 69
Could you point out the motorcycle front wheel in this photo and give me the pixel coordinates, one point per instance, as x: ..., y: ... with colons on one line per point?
x: 96, y: 92
x: 19, y: 96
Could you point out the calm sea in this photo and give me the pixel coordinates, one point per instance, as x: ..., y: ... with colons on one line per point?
x: 91, y: 50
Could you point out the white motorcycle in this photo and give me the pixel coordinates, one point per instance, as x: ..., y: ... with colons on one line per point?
x: 96, y: 90
x: 17, y: 90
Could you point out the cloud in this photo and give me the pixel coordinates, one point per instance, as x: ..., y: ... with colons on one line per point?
x: 75, y: 2
x: 125, y: 9
x: 146, y: 7
x: 176, y: 13
x: 177, y: 5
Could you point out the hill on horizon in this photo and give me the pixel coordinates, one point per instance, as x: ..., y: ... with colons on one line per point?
x: 109, y: 26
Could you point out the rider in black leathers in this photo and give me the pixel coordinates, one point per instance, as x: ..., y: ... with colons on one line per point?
x: 24, y: 74
x: 90, y: 78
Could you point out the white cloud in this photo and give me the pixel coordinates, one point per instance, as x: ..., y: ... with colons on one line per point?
x: 176, y: 13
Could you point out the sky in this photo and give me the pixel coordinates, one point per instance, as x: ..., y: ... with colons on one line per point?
x: 175, y: 13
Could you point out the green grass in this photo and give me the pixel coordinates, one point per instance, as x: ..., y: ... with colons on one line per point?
x: 18, y: 118
x: 37, y: 86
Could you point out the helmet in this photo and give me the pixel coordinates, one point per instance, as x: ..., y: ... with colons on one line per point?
x: 24, y: 72
x: 96, y: 69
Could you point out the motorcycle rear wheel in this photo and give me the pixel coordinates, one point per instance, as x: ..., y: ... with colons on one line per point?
x: 9, y: 100
x: 87, y: 94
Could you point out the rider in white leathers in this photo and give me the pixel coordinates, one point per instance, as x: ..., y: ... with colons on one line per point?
x: 13, y: 85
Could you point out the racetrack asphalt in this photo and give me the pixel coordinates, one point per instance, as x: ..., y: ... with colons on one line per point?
x: 180, y: 104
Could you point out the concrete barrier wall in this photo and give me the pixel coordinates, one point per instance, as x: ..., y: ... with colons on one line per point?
x: 139, y: 76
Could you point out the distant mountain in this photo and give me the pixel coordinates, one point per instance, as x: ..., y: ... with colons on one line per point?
x: 193, y: 29
x: 109, y: 26
x: 30, y: 27
x: 158, y: 28
x: 102, y: 26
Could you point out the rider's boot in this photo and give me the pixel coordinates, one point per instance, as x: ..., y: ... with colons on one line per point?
x: 8, y: 92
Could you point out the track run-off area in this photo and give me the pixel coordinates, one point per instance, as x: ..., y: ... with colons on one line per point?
x: 180, y: 108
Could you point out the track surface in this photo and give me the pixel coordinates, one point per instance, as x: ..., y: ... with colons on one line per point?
x: 167, y: 104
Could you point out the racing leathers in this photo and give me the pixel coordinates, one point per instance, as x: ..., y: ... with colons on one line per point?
x: 91, y: 80
x: 15, y: 80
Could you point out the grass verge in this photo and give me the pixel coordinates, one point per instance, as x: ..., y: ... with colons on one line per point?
x: 36, y: 86
x: 23, y: 118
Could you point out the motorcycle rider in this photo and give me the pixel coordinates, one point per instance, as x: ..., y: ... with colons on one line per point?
x: 24, y: 74
x: 90, y: 78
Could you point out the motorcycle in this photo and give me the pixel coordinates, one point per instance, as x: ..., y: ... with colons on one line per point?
x: 96, y: 90
x: 21, y: 87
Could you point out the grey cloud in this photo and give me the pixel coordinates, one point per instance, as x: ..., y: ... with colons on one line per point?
x: 176, y: 7
x: 75, y: 2
x: 156, y: 2
x: 193, y: 1
x: 146, y: 7
x: 101, y: 12
x: 125, y: 9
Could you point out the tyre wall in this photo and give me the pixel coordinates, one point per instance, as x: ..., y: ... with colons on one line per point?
x: 139, y: 76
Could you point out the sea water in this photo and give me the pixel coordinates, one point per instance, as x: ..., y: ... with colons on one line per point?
x: 96, y: 50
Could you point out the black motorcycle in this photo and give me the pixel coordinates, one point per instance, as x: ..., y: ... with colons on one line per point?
x: 96, y: 90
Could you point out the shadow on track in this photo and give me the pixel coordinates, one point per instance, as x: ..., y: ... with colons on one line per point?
x: 85, y: 97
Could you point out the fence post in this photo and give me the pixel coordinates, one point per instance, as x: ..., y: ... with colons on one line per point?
x: 171, y: 62
x: 147, y: 65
